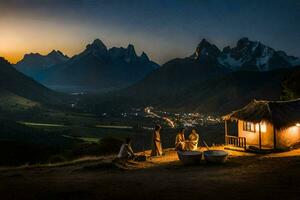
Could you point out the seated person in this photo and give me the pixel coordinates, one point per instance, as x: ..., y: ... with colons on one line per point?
x: 180, y: 141
x: 126, y: 151
x: 192, y: 144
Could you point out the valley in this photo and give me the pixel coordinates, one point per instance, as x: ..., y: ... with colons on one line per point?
x: 191, y: 92
x: 73, y: 132
x: 151, y: 100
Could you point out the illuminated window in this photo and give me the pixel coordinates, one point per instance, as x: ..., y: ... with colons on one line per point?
x: 263, y: 127
x: 248, y: 126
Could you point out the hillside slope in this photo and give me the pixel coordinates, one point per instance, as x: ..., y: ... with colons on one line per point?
x: 219, y: 94
x: 14, y: 82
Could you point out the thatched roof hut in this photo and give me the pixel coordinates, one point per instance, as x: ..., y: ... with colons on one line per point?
x: 266, y: 125
x: 282, y: 114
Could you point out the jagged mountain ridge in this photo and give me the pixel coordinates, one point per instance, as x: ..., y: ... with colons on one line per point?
x: 202, y: 82
x: 98, y: 68
x: 209, y: 62
x: 246, y: 55
x: 34, y: 63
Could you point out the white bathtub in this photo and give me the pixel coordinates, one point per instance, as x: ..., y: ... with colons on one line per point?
x: 189, y: 157
x: 215, y: 156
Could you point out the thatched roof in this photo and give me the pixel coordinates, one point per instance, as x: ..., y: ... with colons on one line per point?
x: 282, y: 114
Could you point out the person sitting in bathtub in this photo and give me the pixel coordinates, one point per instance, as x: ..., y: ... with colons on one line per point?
x: 192, y: 143
x: 180, y: 141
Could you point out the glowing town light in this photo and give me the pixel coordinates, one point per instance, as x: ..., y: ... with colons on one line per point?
x: 170, y: 122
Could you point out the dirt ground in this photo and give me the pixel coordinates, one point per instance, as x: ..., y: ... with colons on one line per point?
x: 244, y: 176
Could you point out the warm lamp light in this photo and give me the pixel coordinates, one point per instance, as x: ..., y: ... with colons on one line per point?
x: 263, y: 127
x: 298, y: 124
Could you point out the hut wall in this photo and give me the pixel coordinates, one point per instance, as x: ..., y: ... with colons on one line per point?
x: 268, y: 137
x: 252, y: 138
x: 288, y: 137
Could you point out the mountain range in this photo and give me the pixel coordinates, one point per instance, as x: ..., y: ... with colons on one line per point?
x: 34, y: 63
x: 252, y: 55
x: 246, y: 55
x: 96, y: 68
x: 207, y: 82
x: 208, y: 62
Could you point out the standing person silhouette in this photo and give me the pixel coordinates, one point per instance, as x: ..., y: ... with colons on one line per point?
x: 156, y: 149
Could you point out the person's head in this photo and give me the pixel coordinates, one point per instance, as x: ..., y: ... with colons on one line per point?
x: 128, y: 140
x: 182, y: 130
x: 194, y: 131
x: 157, y: 127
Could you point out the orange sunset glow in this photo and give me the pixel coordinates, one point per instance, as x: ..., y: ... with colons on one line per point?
x: 26, y: 36
x: 29, y: 35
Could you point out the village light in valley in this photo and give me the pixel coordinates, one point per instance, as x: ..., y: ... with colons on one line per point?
x: 170, y: 122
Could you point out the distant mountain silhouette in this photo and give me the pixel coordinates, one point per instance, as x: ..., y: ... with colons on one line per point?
x: 209, y: 62
x: 98, y: 68
x: 15, y: 83
x: 181, y: 72
x: 206, y: 82
x: 210, y: 80
x: 34, y: 63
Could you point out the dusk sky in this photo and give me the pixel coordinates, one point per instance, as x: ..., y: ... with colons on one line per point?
x: 164, y: 29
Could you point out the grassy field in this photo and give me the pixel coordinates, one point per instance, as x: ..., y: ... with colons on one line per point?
x: 54, y: 135
x: 65, y: 142
x: 114, y: 127
x: 12, y: 102
x: 88, y: 133
x: 33, y: 124
x: 33, y: 143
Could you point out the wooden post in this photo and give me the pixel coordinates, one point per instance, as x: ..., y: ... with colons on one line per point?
x: 259, y: 129
x: 226, y: 129
x: 226, y: 132
x: 275, y: 140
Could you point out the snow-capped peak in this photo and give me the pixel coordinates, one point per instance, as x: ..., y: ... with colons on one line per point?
x: 253, y: 55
